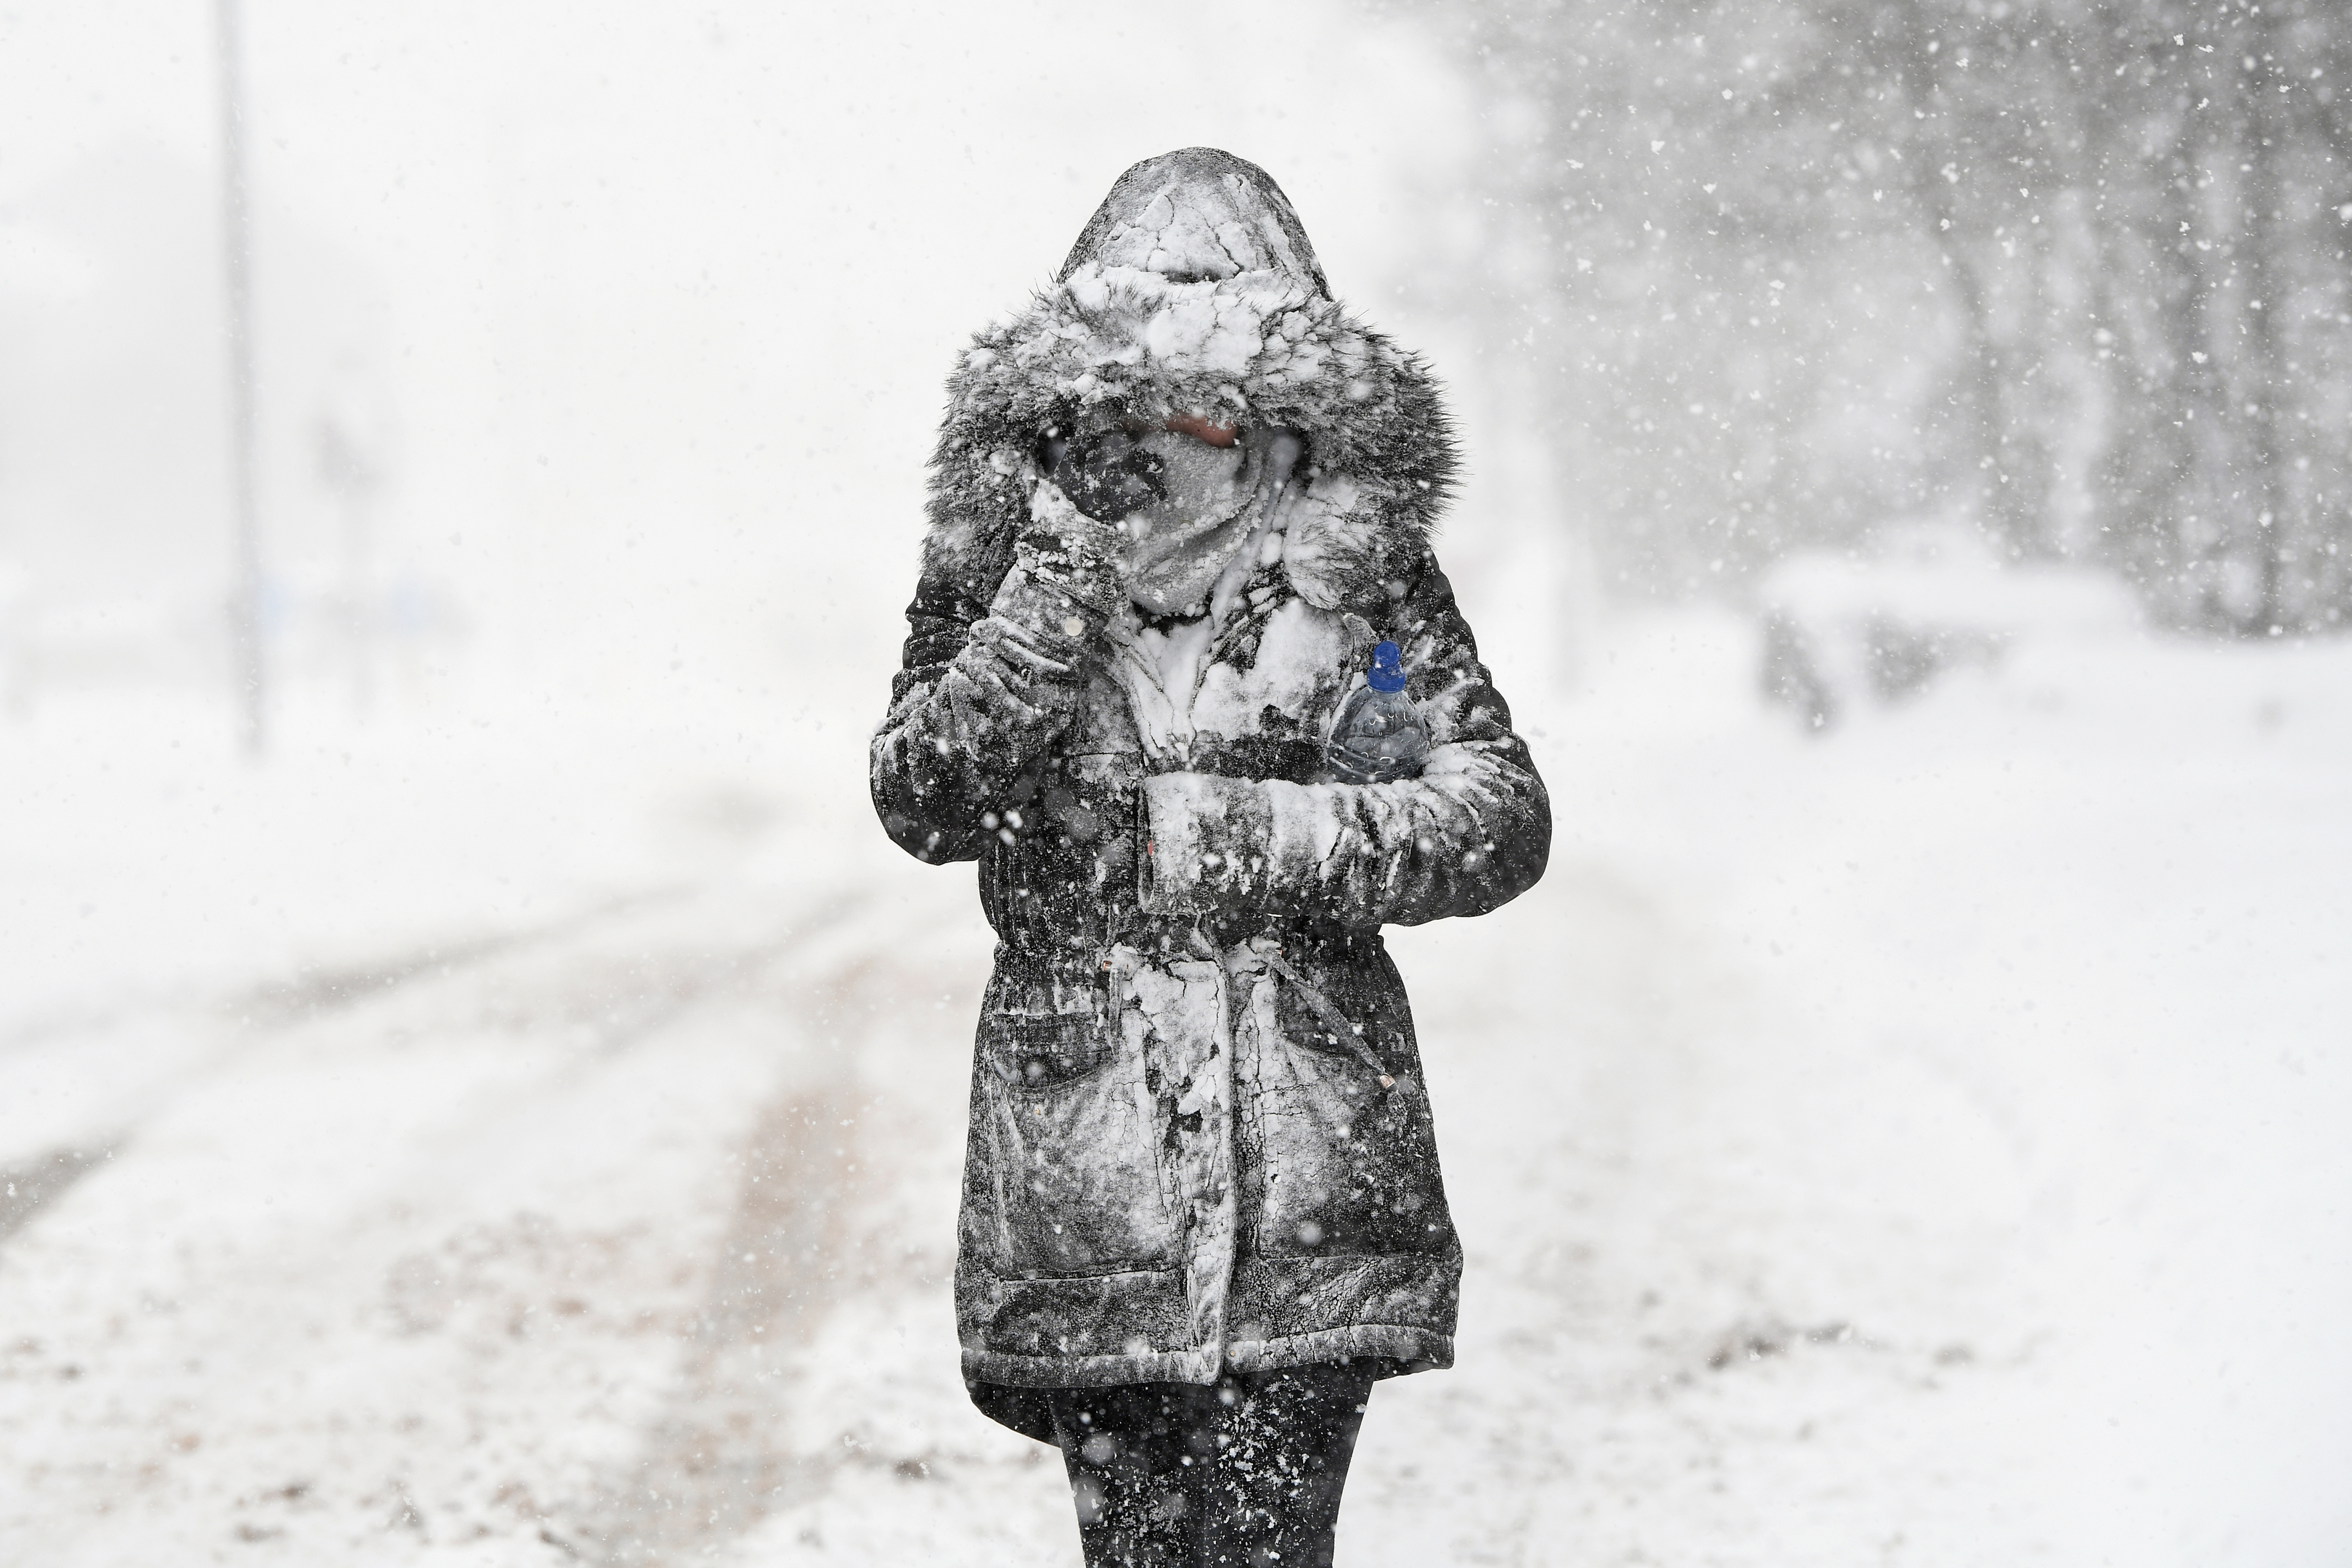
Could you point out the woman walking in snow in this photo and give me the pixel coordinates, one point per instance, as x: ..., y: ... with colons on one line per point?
x: 1175, y: 505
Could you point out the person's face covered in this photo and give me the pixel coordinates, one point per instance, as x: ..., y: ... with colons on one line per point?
x: 1176, y: 547
x: 1192, y: 217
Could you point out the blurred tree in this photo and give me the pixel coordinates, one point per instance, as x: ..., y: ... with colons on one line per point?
x: 2071, y: 269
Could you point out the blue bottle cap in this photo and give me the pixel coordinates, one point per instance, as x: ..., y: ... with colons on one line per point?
x: 1388, y: 672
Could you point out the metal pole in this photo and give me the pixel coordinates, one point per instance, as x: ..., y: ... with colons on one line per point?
x: 245, y: 595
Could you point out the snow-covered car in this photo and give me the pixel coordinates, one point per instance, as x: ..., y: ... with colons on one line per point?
x: 1847, y: 630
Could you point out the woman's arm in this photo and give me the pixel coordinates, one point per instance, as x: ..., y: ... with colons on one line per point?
x: 986, y: 687
x: 1470, y: 834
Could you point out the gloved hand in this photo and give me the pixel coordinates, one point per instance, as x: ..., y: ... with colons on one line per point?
x: 1107, y: 476
x: 1071, y: 535
x: 1064, y: 586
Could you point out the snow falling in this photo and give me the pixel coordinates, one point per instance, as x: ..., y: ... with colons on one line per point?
x: 514, y: 1115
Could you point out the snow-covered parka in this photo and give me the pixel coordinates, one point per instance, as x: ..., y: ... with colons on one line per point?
x: 1175, y: 1165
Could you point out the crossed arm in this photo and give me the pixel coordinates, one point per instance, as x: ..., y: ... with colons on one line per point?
x: 986, y: 690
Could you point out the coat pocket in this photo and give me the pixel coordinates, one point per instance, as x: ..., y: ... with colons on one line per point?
x: 1040, y: 1052
x: 1078, y: 1185
x: 1349, y: 1168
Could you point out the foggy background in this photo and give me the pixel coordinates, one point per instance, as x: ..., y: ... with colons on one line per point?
x: 512, y: 1114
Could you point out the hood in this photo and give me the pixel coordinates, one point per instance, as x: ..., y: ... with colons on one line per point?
x: 1193, y: 289
x: 1197, y: 215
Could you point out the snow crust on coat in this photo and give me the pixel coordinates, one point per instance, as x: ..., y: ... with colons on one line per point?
x: 1173, y: 1168
x: 1198, y: 212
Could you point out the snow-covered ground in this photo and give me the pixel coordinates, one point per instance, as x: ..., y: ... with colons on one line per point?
x: 534, y: 1141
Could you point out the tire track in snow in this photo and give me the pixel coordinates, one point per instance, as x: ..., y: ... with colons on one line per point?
x: 713, y: 1459
x: 603, y: 996
x: 720, y: 1460
x: 535, y: 1310
x: 32, y: 1179
x: 25, y: 1187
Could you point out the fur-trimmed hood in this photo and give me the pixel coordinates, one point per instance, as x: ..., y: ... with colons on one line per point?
x: 1194, y: 291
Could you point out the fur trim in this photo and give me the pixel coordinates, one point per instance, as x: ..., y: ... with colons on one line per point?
x: 1112, y: 343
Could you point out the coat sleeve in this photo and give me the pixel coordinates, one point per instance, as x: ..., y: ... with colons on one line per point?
x: 1471, y: 832
x: 993, y: 670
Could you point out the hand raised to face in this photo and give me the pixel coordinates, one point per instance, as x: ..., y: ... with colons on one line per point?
x: 1110, y: 475
x: 1107, y: 477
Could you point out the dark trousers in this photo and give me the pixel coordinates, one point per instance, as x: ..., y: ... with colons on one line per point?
x: 1245, y: 1473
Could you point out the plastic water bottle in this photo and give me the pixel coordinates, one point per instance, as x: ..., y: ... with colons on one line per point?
x: 1380, y: 735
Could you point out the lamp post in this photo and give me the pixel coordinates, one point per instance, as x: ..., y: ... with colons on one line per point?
x: 246, y: 665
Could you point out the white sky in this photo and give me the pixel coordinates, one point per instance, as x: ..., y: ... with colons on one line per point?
x: 671, y: 289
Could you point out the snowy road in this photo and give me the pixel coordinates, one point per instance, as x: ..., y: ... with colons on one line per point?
x: 1920, y: 1148
x: 511, y: 1246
